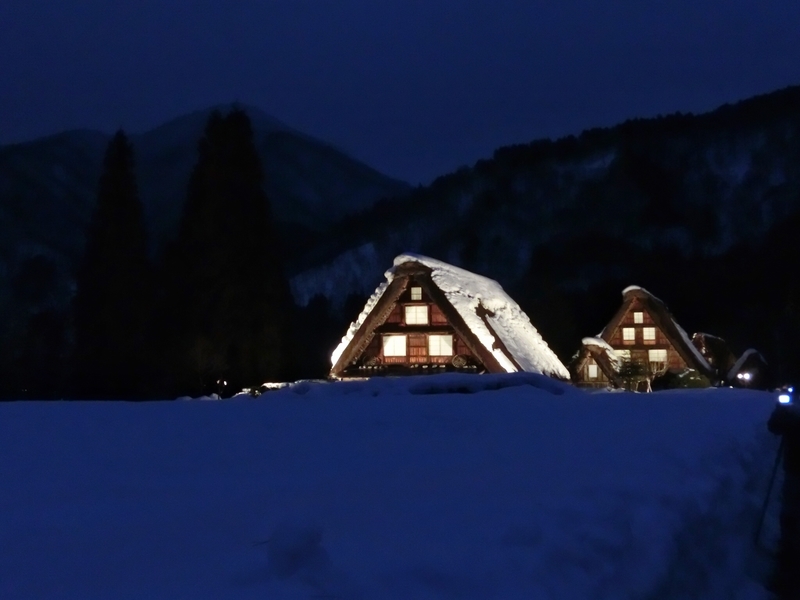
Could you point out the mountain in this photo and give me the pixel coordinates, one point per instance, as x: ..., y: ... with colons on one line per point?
x: 702, y: 210
x: 48, y: 186
x: 695, y: 185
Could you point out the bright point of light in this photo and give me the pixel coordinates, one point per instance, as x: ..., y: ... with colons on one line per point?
x: 784, y: 398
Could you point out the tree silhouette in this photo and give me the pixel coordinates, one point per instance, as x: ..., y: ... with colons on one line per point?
x: 113, y: 297
x: 228, y: 301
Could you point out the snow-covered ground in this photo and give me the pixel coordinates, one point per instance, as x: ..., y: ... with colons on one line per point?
x: 512, y: 486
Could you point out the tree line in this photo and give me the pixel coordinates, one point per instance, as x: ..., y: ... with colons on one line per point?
x: 210, y: 313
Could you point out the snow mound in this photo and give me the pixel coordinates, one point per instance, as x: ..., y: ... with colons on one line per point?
x: 390, y: 488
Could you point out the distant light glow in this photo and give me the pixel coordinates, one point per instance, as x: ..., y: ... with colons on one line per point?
x: 784, y: 398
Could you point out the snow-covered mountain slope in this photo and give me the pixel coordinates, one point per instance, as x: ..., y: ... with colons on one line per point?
x: 480, y: 487
x: 696, y: 185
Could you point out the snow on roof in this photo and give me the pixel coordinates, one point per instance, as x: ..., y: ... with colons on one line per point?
x: 596, y: 341
x: 356, y: 325
x: 636, y: 288
x: 613, y: 357
x: 468, y: 291
x: 742, y: 359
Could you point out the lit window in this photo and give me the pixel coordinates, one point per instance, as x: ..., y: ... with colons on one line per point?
x: 592, y: 371
x: 638, y: 317
x: 628, y: 335
x: 624, y: 355
x: 649, y: 335
x: 394, y: 345
x: 416, y: 315
x: 416, y: 293
x: 440, y: 345
x: 658, y: 357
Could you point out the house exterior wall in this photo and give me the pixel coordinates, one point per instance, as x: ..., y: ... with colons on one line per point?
x: 639, y: 346
x: 584, y: 376
x: 417, y: 357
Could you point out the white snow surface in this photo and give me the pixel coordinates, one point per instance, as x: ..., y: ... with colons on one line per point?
x: 466, y: 291
x: 450, y: 486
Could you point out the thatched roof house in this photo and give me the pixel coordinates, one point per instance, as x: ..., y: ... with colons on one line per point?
x: 429, y: 316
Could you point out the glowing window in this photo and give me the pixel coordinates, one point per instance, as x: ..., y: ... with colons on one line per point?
x: 649, y: 335
x: 628, y: 335
x: 394, y: 345
x: 440, y: 345
x: 657, y: 357
x: 638, y: 317
x: 623, y: 354
x: 592, y: 370
x: 416, y: 293
x: 416, y: 315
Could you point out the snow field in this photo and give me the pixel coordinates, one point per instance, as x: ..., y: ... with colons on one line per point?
x: 508, y: 486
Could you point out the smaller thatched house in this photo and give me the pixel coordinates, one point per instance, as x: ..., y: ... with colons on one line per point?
x: 431, y: 317
x: 641, y: 341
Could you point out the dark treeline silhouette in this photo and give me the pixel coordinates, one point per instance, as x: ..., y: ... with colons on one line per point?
x: 224, y: 312
x: 114, y: 296
x: 214, y: 307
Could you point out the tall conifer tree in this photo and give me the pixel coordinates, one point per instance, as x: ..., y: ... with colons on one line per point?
x: 229, y: 296
x: 113, y: 301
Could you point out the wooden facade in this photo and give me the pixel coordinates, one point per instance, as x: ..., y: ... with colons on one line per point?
x: 413, y: 329
x: 643, y: 332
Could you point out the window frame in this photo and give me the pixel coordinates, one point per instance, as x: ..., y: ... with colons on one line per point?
x: 592, y: 371
x: 416, y: 293
x: 629, y: 340
x: 440, y: 336
x: 418, y: 310
x: 393, y: 336
x: 638, y: 317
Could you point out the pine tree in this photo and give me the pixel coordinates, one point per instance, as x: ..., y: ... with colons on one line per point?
x: 113, y: 297
x: 228, y: 298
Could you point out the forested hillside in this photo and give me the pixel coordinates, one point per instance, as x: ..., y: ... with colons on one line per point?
x: 703, y: 210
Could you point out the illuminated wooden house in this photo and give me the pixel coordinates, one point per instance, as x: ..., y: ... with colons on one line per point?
x: 642, y: 332
x: 432, y: 317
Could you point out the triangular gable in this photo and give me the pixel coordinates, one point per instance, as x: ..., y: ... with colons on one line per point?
x: 662, y: 319
x: 495, y: 329
x: 603, y: 356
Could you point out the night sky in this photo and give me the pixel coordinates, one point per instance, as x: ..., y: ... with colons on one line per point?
x: 414, y: 88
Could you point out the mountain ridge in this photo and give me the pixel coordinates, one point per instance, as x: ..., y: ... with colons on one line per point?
x: 672, y: 190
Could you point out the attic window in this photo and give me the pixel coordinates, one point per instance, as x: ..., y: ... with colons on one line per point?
x: 394, y: 345
x: 592, y: 371
x: 628, y: 335
x: 638, y: 317
x: 416, y: 293
x: 440, y: 345
x: 649, y: 335
x: 416, y: 315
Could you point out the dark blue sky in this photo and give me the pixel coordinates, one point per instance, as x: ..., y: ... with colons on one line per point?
x: 413, y: 87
